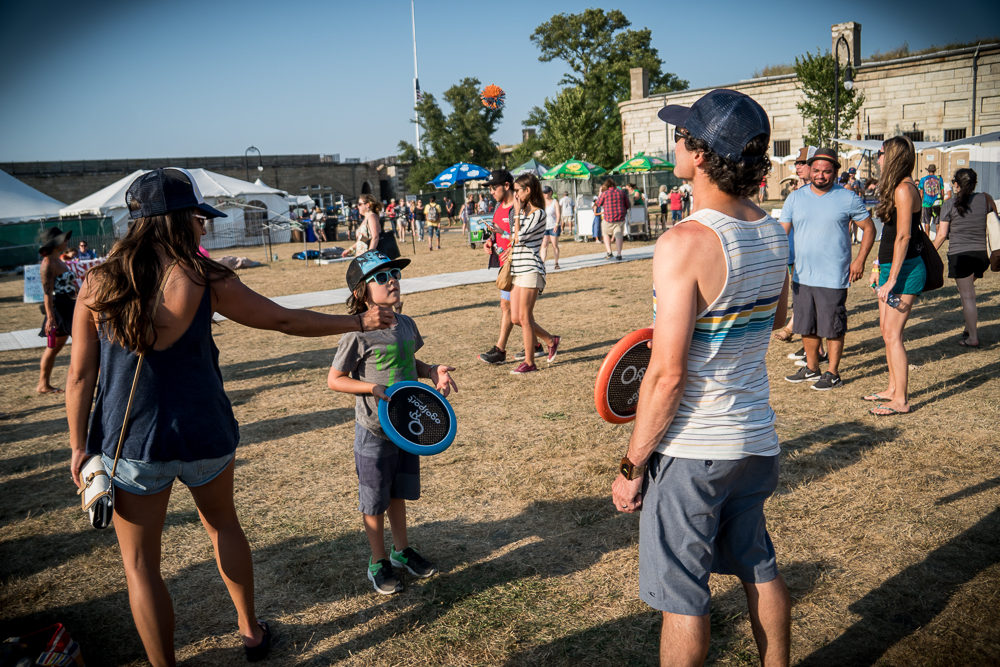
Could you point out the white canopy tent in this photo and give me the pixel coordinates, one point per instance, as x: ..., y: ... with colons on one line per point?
x: 966, y: 143
x: 19, y: 202
x: 250, y: 208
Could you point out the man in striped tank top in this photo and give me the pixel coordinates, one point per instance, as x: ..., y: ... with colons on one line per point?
x: 703, y: 456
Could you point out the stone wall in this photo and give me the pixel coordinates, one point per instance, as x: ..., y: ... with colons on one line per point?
x: 297, y: 174
x: 929, y: 93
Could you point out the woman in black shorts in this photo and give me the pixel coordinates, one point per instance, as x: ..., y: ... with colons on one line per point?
x: 59, y: 285
x: 963, y: 222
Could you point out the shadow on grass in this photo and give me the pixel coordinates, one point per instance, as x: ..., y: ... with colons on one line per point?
x: 913, y: 598
x: 61, y: 405
x: 8, y: 366
x: 241, y: 396
x: 845, y: 444
x: 634, y: 640
x: 17, y: 432
x: 969, y: 491
x: 248, y: 370
x: 282, y: 427
x: 495, y: 302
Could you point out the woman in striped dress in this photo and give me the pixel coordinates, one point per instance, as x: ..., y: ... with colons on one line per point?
x: 528, y: 269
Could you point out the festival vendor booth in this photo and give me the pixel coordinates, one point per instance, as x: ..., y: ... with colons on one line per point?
x: 255, y: 213
x: 638, y: 216
x: 576, y: 170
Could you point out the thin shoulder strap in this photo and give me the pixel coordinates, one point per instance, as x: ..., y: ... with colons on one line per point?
x: 138, y: 366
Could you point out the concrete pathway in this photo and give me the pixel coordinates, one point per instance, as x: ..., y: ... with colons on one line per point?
x: 29, y: 338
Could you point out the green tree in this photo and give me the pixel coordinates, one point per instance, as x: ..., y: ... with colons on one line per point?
x: 599, y: 49
x: 815, y: 74
x: 464, y: 135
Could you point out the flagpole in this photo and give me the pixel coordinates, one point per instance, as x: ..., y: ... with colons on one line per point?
x: 416, y: 80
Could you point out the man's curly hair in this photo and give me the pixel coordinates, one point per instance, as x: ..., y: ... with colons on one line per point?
x: 739, y: 179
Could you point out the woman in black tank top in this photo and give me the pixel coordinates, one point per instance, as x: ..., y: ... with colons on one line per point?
x: 901, y: 269
x: 154, y: 296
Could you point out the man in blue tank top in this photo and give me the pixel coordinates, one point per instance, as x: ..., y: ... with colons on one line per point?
x: 703, y: 455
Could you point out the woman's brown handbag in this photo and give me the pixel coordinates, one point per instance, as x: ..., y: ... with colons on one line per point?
x: 505, y: 281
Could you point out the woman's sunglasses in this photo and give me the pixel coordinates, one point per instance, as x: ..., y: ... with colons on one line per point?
x: 879, y: 154
x: 382, y: 277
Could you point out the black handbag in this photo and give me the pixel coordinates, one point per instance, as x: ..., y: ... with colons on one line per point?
x: 932, y: 262
x: 387, y: 243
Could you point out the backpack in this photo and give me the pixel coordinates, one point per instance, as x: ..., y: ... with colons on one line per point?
x: 432, y: 213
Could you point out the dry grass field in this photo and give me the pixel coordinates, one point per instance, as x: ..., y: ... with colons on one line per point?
x: 887, y: 529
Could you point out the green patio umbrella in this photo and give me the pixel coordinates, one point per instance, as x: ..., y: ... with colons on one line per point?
x: 574, y: 169
x: 643, y: 164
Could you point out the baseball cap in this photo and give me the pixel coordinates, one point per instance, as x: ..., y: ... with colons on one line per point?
x: 852, y: 170
x: 805, y: 153
x: 724, y: 119
x: 163, y: 190
x: 365, y: 264
x: 547, y: 189
x: 499, y: 177
x: 827, y: 154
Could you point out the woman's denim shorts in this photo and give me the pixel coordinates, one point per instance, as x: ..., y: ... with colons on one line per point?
x: 144, y: 478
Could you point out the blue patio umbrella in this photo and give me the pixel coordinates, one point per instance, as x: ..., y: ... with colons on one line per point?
x: 459, y: 173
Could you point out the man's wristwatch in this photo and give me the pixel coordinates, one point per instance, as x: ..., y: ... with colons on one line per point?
x: 630, y: 470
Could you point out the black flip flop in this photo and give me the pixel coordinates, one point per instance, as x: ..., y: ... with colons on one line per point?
x: 260, y: 651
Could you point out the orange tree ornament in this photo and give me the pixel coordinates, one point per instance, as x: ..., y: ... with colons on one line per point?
x: 493, y: 97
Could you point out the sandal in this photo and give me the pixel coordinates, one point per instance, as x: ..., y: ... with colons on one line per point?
x: 784, y: 335
x: 888, y: 411
x: 874, y: 398
x: 260, y: 651
x: 965, y: 343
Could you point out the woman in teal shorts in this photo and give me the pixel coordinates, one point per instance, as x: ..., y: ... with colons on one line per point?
x: 901, y: 270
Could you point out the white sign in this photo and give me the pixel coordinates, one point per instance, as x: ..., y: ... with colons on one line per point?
x: 33, y: 292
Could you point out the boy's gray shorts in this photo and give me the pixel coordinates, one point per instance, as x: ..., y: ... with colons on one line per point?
x: 700, y: 517
x: 384, y: 472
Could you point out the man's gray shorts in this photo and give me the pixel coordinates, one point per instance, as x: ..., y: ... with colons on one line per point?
x: 819, y: 311
x: 700, y: 517
x: 384, y: 471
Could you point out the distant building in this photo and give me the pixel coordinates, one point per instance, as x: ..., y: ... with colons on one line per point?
x: 939, y: 96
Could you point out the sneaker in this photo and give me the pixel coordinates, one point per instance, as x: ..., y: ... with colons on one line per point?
x: 608, y: 256
x: 523, y: 368
x: 827, y: 381
x: 798, y: 354
x: 803, y: 375
x: 618, y: 258
x: 539, y: 352
x: 552, y: 349
x: 494, y: 356
x: 383, y: 578
x: 414, y: 563
x: 823, y: 358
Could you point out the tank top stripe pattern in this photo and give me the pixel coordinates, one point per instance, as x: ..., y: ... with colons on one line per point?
x: 725, y: 410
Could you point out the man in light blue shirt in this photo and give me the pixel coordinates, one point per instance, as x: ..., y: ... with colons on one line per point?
x: 821, y: 214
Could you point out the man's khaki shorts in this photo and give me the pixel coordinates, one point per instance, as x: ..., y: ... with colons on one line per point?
x: 612, y: 229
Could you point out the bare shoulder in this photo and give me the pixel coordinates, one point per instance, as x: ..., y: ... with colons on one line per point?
x: 685, y: 240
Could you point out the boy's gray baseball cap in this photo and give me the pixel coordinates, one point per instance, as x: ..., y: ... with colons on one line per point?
x: 724, y: 119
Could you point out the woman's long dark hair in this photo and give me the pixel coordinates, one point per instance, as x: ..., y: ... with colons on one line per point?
x: 125, y: 285
x: 534, y: 187
x: 896, y: 165
x: 966, y: 180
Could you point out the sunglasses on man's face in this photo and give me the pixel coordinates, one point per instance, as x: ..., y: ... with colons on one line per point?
x: 382, y: 277
x: 679, y: 134
x: 880, y: 154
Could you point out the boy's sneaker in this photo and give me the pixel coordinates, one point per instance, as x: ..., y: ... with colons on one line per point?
x: 523, y: 368
x: 803, y: 375
x: 539, y: 352
x: 552, y: 349
x: 798, y: 354
x: 823, y: 358
x: 494, y: 356
x: 414, y: 563
x: 827, y: 381
x: 383, y: 578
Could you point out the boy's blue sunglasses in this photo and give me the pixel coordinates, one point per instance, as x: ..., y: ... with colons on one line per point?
x: 382, y: 277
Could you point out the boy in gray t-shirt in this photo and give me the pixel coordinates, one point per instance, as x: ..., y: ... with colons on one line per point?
x: 365, y: 364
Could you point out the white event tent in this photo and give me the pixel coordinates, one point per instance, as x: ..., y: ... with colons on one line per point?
x: 250, y: 208
x: 19, y: 202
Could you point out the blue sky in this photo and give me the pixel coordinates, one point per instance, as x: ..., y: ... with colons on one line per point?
x: 190, y: 78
